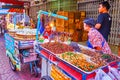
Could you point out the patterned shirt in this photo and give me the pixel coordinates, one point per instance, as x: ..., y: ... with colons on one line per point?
x: 96, y: 39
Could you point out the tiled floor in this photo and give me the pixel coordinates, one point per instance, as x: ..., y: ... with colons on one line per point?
x: 5, y: 71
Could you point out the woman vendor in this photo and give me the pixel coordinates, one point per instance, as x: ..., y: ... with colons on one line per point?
x: 95, y: 39
x: 47, y: 31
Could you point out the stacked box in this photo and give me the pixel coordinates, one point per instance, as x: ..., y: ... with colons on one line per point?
x: 119, y: 50
x: 61, y: 24
x: 74, y: 24
x: 84, y: 36
x: 79, y: 17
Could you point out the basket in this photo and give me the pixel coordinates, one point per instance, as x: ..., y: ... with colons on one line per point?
x: 12, y: 33
x: 25, y: 37
x: 30, y: 58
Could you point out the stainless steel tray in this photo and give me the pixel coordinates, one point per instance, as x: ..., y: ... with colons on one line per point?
x: 67, y: 63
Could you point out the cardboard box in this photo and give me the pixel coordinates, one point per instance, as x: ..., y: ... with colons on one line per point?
x: 119, y: 50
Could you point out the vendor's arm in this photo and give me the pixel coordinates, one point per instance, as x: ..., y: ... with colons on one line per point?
x: 96, y: 41
x: 97, y: 26
x: 97, y: 45
x: 99, y: 21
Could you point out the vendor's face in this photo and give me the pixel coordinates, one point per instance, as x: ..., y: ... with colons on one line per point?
x: 101, y: 8
x: 85, y: 27
x: 48, y: 28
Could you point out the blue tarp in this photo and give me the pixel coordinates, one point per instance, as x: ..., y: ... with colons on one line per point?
x: 41, y: 28
x: 4, y: 11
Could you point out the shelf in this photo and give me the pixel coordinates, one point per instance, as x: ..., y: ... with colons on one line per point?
x: 26, y: 47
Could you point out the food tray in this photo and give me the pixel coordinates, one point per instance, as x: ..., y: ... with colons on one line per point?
x: 85, y: 47
x: 23, y: 34
x: 116, y: 57
x: 46, y: 50
x: 78, y: 69
x: 12, y: 33
x: 25, y: 37
x: 113, y: 56
x: 69, y: 64
x: 70, y: 68
x: 73, y: 66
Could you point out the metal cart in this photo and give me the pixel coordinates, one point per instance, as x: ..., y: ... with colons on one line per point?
x: 21, y: 52
x: 49, y: 59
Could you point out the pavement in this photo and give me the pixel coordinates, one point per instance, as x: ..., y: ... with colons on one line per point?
x: 6, y: 72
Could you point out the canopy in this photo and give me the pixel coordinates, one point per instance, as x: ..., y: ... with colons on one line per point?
x: 15, y: 2
x: 12, y: 10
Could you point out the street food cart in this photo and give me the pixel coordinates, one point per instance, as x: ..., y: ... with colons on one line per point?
x: 19, y: 48
x: 70, y: 60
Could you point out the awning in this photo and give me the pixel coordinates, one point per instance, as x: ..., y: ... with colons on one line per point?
x: 12, y: 10
x: 15, y: 10
x: 15, y: 2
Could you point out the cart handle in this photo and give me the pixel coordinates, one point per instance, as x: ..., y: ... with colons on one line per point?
x: 56, y: 62
x: 51, y: 14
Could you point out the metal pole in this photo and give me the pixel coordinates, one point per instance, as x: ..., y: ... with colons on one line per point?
x: 58, y: 5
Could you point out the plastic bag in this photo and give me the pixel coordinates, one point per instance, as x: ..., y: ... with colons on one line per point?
x: 106, y: 78
x: 111, y: 76
x: 101, y: 75
x: 115, y: 72
x: 98, y: 77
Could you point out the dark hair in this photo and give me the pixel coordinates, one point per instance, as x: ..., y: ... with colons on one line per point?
x: 106, y: 4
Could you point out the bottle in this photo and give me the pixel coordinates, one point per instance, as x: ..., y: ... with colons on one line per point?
x: 69, y: 41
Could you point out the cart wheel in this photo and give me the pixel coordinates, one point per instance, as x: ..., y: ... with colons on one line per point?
x: 13, y: 67
x: 46, y: 78
x: 35, y: 71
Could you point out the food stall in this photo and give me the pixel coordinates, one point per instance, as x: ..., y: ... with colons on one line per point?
x: 66, y: 60
x: 19, y: 47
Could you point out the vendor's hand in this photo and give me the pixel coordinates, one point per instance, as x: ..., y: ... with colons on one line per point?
x: 98, y: 48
